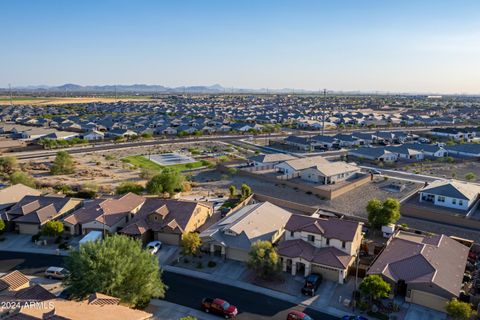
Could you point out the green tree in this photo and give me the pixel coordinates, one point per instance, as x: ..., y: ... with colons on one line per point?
x: 116, y: 266
x: 190, y: 243
x: 245, y: 190
x: 129, y: 186
x: 63, y: 164
x: 233, y: 191
x: 375, y: 287
x: 169, y: 180
x: 380, y: 214
x: 263, y: 259
x: 147, y: 174
x: 23, y: 178
x: 52, y: 228
x: 459, y: 310
x: 8, y: 164
x: 2, y: 226
x: 471, y: 176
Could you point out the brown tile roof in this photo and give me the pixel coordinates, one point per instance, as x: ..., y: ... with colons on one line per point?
x: 112, y: 210
x: 102, y: 299
x: 35, y: 292
x: 13, y: 280
x: 327, y: 256
x: 12, y: 194
x: 37, y: 209
x: 332, y: 228
x: 175, y: 216
x: 415, y: 258
x: 74, y: 310
x: 39, y: 216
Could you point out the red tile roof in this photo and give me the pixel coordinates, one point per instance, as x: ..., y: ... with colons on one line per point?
x: 332, y: 228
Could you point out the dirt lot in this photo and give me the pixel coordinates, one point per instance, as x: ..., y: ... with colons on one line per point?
x: 42, y: 101
x: 108, y: 170
x: 456, y: 170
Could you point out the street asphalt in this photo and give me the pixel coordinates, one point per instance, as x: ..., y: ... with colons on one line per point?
x: 183, y: 290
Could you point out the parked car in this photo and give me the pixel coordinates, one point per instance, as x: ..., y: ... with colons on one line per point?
x: 374, y: 171
x: 56, y: 273
x: 298, y: 315
x: 353, y: 318
x: 154, y: 246
x: 312, y: 282
x: 219, y: 307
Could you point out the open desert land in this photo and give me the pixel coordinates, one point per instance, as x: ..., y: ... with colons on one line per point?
x: 43, y: 101
x: 110, y: 168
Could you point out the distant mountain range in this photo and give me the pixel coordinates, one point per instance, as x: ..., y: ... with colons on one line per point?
x: 146, y: 88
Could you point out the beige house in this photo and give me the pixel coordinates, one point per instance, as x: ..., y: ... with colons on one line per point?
x: 109, y: 215
x: 318, y: 245
x: 233, y: 236
x: 166, y: 220
x: 30, y: 214
x: 427, y: 270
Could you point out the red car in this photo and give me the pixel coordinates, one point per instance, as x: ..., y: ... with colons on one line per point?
x: 298, y: 315
x: 219, y: 307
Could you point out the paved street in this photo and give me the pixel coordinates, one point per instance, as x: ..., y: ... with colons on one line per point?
x: 183, y: 290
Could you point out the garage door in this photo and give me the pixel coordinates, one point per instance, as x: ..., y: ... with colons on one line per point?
x: 28, y: 228
x: 236, y: 254
x: 327, y: 273
x: 428, y: 300
x: 168, y: 238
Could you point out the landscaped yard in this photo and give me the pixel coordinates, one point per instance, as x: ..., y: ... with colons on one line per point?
x: 142, y: 162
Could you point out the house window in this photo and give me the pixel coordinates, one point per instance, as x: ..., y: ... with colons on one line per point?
x: 460, y: 202
x: 343, y: 244
x: 454, y: 201
x: 328, y: 242
x: 441, y: 199
x: 311, y: 238
x: 292, y: 233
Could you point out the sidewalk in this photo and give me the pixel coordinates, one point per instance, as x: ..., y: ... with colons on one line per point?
x: 306, y: 302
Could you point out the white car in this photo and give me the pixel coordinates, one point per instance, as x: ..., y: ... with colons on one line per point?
x: 56, y: 273
x: 154, y: 246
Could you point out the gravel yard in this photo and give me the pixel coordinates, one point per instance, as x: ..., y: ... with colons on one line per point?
x: 456, y: 170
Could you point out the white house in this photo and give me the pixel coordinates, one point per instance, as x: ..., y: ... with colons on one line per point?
x: 94, y: 135
x: 292, y: 167
x: 451, y: 194
x: 329, y: 173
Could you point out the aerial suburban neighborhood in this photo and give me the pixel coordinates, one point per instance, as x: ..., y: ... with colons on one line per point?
x: 250, y: 160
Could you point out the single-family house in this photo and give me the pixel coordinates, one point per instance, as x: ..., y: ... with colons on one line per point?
x: 233, y: 236
x: 375, y: 154
x: 30, y: 214
x: 451, y: 194
x: 464, y: 150
x: 109, y: 215
x: 167, y: 219
x: 329, y: 172
x: 319, y: 245
x: 405, y: 152
x: 426, y: 270
x: 269, y: 160
x: 300, y: 143
x: 293, y: 167
x: 94, y: 135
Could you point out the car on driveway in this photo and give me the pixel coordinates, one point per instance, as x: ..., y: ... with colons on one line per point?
x: 154, y: 246
x: 298, y: 315
x: 312, y: 282
x: 56, y: 273
x: 374, y: 171
x: 219, y: 307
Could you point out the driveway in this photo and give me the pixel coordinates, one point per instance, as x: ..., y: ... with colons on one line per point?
x: 230, y: 269
x: 416, y: 312
x: 166, y: 254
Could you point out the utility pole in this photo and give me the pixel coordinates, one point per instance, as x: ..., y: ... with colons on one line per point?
x: 10, y: 90
x: 323, y: 110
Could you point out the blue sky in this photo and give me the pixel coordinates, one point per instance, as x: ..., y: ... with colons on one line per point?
x: 406, y: 46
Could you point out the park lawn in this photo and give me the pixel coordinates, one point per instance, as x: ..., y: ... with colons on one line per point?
x: 142, y: 162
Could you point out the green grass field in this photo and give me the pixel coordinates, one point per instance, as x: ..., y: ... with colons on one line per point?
x: 142, y: 162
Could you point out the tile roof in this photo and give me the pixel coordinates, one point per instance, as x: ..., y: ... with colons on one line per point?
x: 414, y: 258
x: 453, y: 188
x: 331, y: 228
x: 102, y: 299
x: 328, y: 256
x: 13, y: 280
x: 175, y: 216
